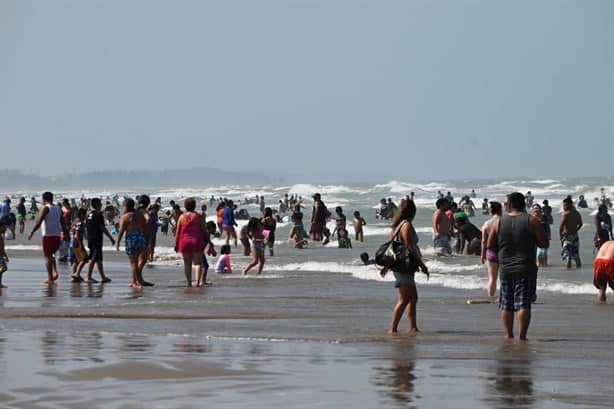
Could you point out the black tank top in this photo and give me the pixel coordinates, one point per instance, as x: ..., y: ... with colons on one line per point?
x: 517, y: 247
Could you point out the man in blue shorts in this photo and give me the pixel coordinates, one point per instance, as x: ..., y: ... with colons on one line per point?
x: 515, y: 239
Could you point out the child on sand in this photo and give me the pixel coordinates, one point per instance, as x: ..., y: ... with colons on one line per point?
x: 3, y: 257
x: 223, y: 265
x: 77, y: 244
x: 256, y: 232
x: 358, y: 223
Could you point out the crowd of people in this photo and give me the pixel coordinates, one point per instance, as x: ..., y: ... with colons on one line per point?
x: 513, y: 242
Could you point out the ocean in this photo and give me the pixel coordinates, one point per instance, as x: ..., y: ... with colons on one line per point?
x: 311, y: 330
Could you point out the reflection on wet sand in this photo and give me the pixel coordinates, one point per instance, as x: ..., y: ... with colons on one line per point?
x: 395, y: 380
x: 510, y: 378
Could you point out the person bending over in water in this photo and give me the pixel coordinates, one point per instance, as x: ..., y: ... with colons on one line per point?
x: 256, y: 232
x: 470, y: 237
x: 132, y: 224
x: 604, y: 269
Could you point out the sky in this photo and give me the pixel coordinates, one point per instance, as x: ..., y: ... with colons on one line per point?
x: 408, y: 89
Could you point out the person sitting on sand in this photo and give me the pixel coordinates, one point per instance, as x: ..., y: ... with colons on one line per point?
x: 604, y: 269
x: 343, y: 240
x: 223, y: 266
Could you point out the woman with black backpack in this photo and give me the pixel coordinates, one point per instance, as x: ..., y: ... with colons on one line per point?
x: 404, y: 280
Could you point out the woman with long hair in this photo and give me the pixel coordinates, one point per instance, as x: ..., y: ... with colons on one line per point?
x: 404, y: 280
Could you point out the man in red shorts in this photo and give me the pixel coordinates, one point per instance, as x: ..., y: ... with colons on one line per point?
x: 604, y: 269
x: 49, y: 220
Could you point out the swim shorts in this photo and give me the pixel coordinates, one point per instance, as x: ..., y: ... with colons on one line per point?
x: 228, y: 228
x: 492, y: 256
x: 258, y: 245
x: 403, y: 278
x: 604, y: 273
x: 517, y: 292
x: 442, y: 243
x: 95, y: 253
x: 571, y: 243
x: 51, y: 245
x: 135, y: 243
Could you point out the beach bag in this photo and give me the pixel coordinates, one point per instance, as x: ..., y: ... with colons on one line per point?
x: 395, y: 255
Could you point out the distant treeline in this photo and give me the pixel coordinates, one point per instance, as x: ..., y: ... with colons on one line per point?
x: 14, y: 180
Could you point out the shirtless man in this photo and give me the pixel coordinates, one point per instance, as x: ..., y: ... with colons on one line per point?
x: 442, y: 229
x: 604, y: 269
x: 571, y: 222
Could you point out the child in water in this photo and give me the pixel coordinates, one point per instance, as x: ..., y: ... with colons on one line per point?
x: 358, y: 223
x: 344, y: 241
x: 223, y: 265
x: 3, y: 257
x: 77, y: 244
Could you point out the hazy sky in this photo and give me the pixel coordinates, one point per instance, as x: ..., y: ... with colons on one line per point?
x: 499, y: 88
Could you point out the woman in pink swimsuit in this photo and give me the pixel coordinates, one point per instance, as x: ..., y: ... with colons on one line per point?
x: 190, y: 239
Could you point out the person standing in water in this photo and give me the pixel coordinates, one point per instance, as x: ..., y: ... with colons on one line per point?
x: 542, y: 253
x: 270, y: 224
x: 404, y: 281
x: 515, y: 240
x: 132, y: 224
x: 190, y: 240
x: 49, y: 220
x: 256, y: 232
x: 442, y: 229
x: 571, y: 223
x: 489, y: 257
x: 319, y: 215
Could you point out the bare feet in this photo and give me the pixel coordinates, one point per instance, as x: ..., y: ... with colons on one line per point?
x: 92, y: 281
x: 136, y: 286
x: 601, y: 297
x: 413, y: 331
x: 392, y: 331
x: 49, y: 282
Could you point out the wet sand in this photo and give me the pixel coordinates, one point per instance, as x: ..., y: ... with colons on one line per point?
x: 298, y: 339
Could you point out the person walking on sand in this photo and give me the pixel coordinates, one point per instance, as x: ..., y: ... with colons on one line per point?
x: 95, y: 228
x: 571, y: 223
x: 190, y: 240
x: 132, y: 224
x: 488, y: 256
x: 404, y: 281
x: 515, y: 239
x: 49, y: 220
